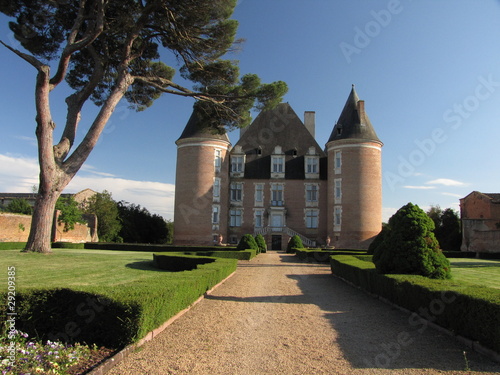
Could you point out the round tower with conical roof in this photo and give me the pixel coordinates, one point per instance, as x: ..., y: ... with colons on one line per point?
x: 200, y: 214
x: 354, y: 178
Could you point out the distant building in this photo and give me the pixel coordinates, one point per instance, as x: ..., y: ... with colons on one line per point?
x: 480, y: 214
x: 278, y: 181
x: 10, y: 224
x: 6, y: 198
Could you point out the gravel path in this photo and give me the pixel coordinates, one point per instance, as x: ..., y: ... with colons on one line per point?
x: 277, y: 315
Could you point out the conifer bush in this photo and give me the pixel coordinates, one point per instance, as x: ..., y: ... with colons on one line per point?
x: 261, y: 242
x: 247, y: 242
x: 295, y: 242
x: 410, y: 247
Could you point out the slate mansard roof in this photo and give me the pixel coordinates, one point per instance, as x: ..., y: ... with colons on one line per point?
x: 353, y: 122
x: 278, y: 127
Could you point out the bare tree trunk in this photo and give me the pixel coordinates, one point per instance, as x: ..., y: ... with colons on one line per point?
x: 40, y: 236
x: 55, y: 174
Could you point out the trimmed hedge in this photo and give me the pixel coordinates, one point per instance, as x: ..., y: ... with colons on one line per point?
x: 323, y: 255
x: 240, y: 254
x: 177, y: 263
x: 469, y: 311
x: 109, y: 316
x: 294, y: 244
x: 459, y: 254
x: 488, y: 255
x: 12, y: 245
x: 152, y: 248
x: 67, y: 245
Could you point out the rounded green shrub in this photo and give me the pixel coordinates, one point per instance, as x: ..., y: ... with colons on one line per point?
x: 295, y: 242
x: 247, y: 242
x: 378, y: 240
x: 410, y: 247
x: 261, y: 242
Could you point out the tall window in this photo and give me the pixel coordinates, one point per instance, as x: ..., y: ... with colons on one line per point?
x: 237, y: 164
x: 216, y: 189
x: 338, y: 190
x: 218, y: 160
x: 259, y: 194
x: 236, y: 192
x: 215, y: 214
x: 235, y: 217
x: 311, y: 193
x: 311, y: 218
x: 277, y: 194
x: 278, y: 164
x: 337, y: 216
x: 259, y: 218
x: 338, y: 161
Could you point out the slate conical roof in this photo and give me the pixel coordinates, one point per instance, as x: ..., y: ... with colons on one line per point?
x: 353, y: 122
x: 195, y: 129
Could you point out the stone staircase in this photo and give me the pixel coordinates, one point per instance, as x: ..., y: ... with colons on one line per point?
x: 288, y: 231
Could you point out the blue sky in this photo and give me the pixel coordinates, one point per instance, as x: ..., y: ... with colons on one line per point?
x: 429, y: 73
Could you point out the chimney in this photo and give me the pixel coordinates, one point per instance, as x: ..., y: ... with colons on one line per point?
x: 310, y: 122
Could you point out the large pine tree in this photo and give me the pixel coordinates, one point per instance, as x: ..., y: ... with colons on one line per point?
x: 107, y: 50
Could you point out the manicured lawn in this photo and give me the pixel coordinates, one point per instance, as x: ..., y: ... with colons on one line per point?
x: 76, y: 269
x: 476, y: 271
x: 71, y: 287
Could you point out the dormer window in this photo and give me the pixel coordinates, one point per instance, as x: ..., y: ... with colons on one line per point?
x: 237, y: 162
x: 259, y: 151
x: 312, y: 163
x: 278, y: 163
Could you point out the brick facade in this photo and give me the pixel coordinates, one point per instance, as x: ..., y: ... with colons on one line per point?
x: 277, y: 181
x: 16, y: 228
x: 480, y: 216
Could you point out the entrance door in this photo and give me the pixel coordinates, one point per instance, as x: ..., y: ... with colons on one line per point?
x: 275, y: 242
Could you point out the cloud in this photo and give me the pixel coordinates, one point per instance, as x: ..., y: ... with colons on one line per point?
x: 419, y: 187
x: 446, y: 182
x: 453, y: 195
x: 20, y: 174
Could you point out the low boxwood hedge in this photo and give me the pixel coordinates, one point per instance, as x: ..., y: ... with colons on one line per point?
x: 109, y: 316
x: 153, y: 248
x: 177, y: 263
x: 12, y: 245
x: 240, y: 254
x: 466, y: 310
x: 323, y: 255
x: 459, y: 254
x: 68, y: 245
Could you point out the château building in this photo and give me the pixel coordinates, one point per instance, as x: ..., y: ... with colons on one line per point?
x: 278, y: 181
